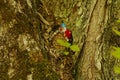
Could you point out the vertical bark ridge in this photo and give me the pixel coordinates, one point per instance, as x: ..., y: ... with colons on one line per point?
x: 94, y: 29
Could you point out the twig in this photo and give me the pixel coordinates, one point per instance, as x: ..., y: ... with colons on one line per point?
x: 43, y: 20
x: 45, y: 7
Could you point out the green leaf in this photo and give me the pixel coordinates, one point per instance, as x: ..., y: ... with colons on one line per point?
x: 66, y: 53
x: 117, y: 69
x: 118, y: 21
x: 116, y: 31
x: 63, y: 43
x: 67, y: 44
x: 116, y: 52
x: 74, y: 48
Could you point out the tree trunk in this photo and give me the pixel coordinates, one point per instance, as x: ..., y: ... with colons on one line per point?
x: 29, y: 31
x: 95, y: 61
x: 90, y: 60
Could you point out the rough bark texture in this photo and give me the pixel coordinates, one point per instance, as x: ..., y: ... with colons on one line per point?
x: 28, y: 47
x: 110, y: 39
x: 90, y: 65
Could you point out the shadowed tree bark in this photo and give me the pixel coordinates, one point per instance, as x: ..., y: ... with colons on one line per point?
x: 29, y: 34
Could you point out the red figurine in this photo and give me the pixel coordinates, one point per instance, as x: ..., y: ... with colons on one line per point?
x: 67, y: 33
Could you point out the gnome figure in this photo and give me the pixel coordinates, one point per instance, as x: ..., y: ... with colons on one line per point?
x: 66, y: 32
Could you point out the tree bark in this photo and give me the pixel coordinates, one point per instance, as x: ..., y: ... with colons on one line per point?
x: 90, y: 62
x: 28, y: 35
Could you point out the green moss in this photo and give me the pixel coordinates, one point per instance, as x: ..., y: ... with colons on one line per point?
x: 44, y: 71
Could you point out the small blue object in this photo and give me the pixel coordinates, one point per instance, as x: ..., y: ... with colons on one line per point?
x: 63, y: 25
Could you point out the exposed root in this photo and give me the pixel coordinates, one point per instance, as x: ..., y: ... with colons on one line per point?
x: 42, y: 19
